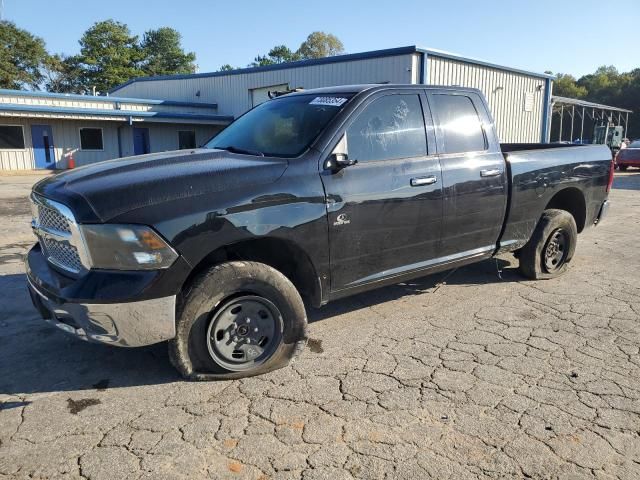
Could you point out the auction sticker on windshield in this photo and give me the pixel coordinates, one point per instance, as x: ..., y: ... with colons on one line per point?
x: 330, y: 101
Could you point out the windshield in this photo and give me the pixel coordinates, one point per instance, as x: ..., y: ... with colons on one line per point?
x: 635, y: 144
x: 284, y: 127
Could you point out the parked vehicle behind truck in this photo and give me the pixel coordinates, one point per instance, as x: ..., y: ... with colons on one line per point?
x: 307, y: 198
x: 629, y: 157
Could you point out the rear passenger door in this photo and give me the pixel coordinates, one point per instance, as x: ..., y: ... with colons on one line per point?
x: 385, y: 212
x: 473, y: 173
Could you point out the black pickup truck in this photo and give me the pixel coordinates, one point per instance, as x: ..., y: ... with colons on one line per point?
x: 307, y: 198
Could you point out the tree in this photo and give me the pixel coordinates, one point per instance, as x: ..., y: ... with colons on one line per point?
x: 62, y: 74
x: 109, y: 55
x: 319, y: 45
x: 163, y: 53
x: 567, y: 86
x: 278, y: 54
x: 226, y: 67
x: 606, y: 83
x: 21, y: 57
x: 607, y: 86
x: 282, y: 54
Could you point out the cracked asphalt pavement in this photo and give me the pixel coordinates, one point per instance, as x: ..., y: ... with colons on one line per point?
x: 459, y: 375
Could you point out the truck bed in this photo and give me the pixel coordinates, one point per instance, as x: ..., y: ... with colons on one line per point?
x: 538, y: 172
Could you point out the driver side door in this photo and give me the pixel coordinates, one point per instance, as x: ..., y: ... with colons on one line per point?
x: 385, y: 212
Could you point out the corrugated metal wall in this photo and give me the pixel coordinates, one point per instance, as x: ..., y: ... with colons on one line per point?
x: 165, y: 137
x: 66, y: 137
x: 232, y: 92
x: 505, y: 92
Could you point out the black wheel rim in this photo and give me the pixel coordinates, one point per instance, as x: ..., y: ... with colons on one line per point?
x: 244, y: 332
x: 555, y: 252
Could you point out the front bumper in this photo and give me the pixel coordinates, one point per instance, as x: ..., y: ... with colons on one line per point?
x: 123, y: 323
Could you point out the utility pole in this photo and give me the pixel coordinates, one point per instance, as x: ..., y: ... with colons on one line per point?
x: 1, y: 10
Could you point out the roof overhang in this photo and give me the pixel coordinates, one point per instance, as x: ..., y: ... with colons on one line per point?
x: 41, y: 111
x: 557, y: 100
x: 104, y: 99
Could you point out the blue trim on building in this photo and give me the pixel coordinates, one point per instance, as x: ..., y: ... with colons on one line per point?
x: 390, y: 52
x: 111, y: 113
x: 91, y: 98
x: 546, y: 114
x: 423, y: 68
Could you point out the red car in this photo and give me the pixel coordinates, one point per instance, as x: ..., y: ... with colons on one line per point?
x: 630, y: 156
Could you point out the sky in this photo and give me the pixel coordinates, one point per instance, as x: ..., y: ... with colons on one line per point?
x: 568, y: 36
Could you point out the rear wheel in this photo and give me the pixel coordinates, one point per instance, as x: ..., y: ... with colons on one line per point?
x: 238, y: 319
x: 551, y: 247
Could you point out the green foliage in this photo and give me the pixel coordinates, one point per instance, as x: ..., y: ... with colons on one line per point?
x: 62, y: 74
x: 282, y: 54
x: 163, y: 54
x: 109, y: 55
x: 317, y: 45
x: 607, y: 86
x: 226, y: 67
x: 278, y: 54
x: 21, y: 56
x: 567, y: 86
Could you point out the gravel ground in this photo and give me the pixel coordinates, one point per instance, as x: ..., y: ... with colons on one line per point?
x: 459, y: 375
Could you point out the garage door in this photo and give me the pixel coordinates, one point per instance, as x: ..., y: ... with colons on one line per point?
x: 259, y: 95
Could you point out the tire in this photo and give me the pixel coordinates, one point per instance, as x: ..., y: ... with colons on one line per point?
x: 213, y: 342
x: 555, y: 227
x: 623, y: 168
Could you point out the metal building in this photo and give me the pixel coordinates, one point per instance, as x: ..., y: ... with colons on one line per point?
x: 519, y: 99
x: 45, y: 130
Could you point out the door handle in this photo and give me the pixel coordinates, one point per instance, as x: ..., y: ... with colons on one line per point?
x: 493, y: 172
x: 420, y: 181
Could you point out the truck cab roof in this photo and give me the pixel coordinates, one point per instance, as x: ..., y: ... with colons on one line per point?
x: 371, y: 87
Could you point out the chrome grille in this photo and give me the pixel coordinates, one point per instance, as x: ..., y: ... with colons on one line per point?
x: 50, y: 218
x: 62, y: 254
x: 58, y: 234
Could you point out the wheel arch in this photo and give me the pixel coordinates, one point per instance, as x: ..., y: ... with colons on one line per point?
x: 284, y: 255
x: 571, y: 200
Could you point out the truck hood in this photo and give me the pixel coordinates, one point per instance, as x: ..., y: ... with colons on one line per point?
x: 104, y: 190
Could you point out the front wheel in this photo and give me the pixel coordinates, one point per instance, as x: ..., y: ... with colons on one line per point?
x: 238, y: 319
x: 551, y: 247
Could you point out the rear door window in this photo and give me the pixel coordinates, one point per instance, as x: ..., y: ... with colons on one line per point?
x: 458, y: 123
x: 388, y: 128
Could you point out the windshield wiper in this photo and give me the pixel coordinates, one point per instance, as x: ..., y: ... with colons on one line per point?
x: 233, y: 149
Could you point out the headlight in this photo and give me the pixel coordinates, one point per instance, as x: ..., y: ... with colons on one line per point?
x: 127, y: 247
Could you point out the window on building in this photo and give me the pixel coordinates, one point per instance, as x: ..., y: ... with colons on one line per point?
x: 458, y: 123
x: 186, y: 139
x: 91, y: 139
x: 390, y: 127
x: 11, y: 137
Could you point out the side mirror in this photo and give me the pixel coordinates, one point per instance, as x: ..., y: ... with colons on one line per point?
x: 339, y: 157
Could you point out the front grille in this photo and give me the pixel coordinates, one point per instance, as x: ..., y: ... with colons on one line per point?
x: 58, y: 234
x: 50, y: 218
x: 62, y: 254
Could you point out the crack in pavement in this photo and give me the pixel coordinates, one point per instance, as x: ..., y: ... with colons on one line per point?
x: 462, y: 375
